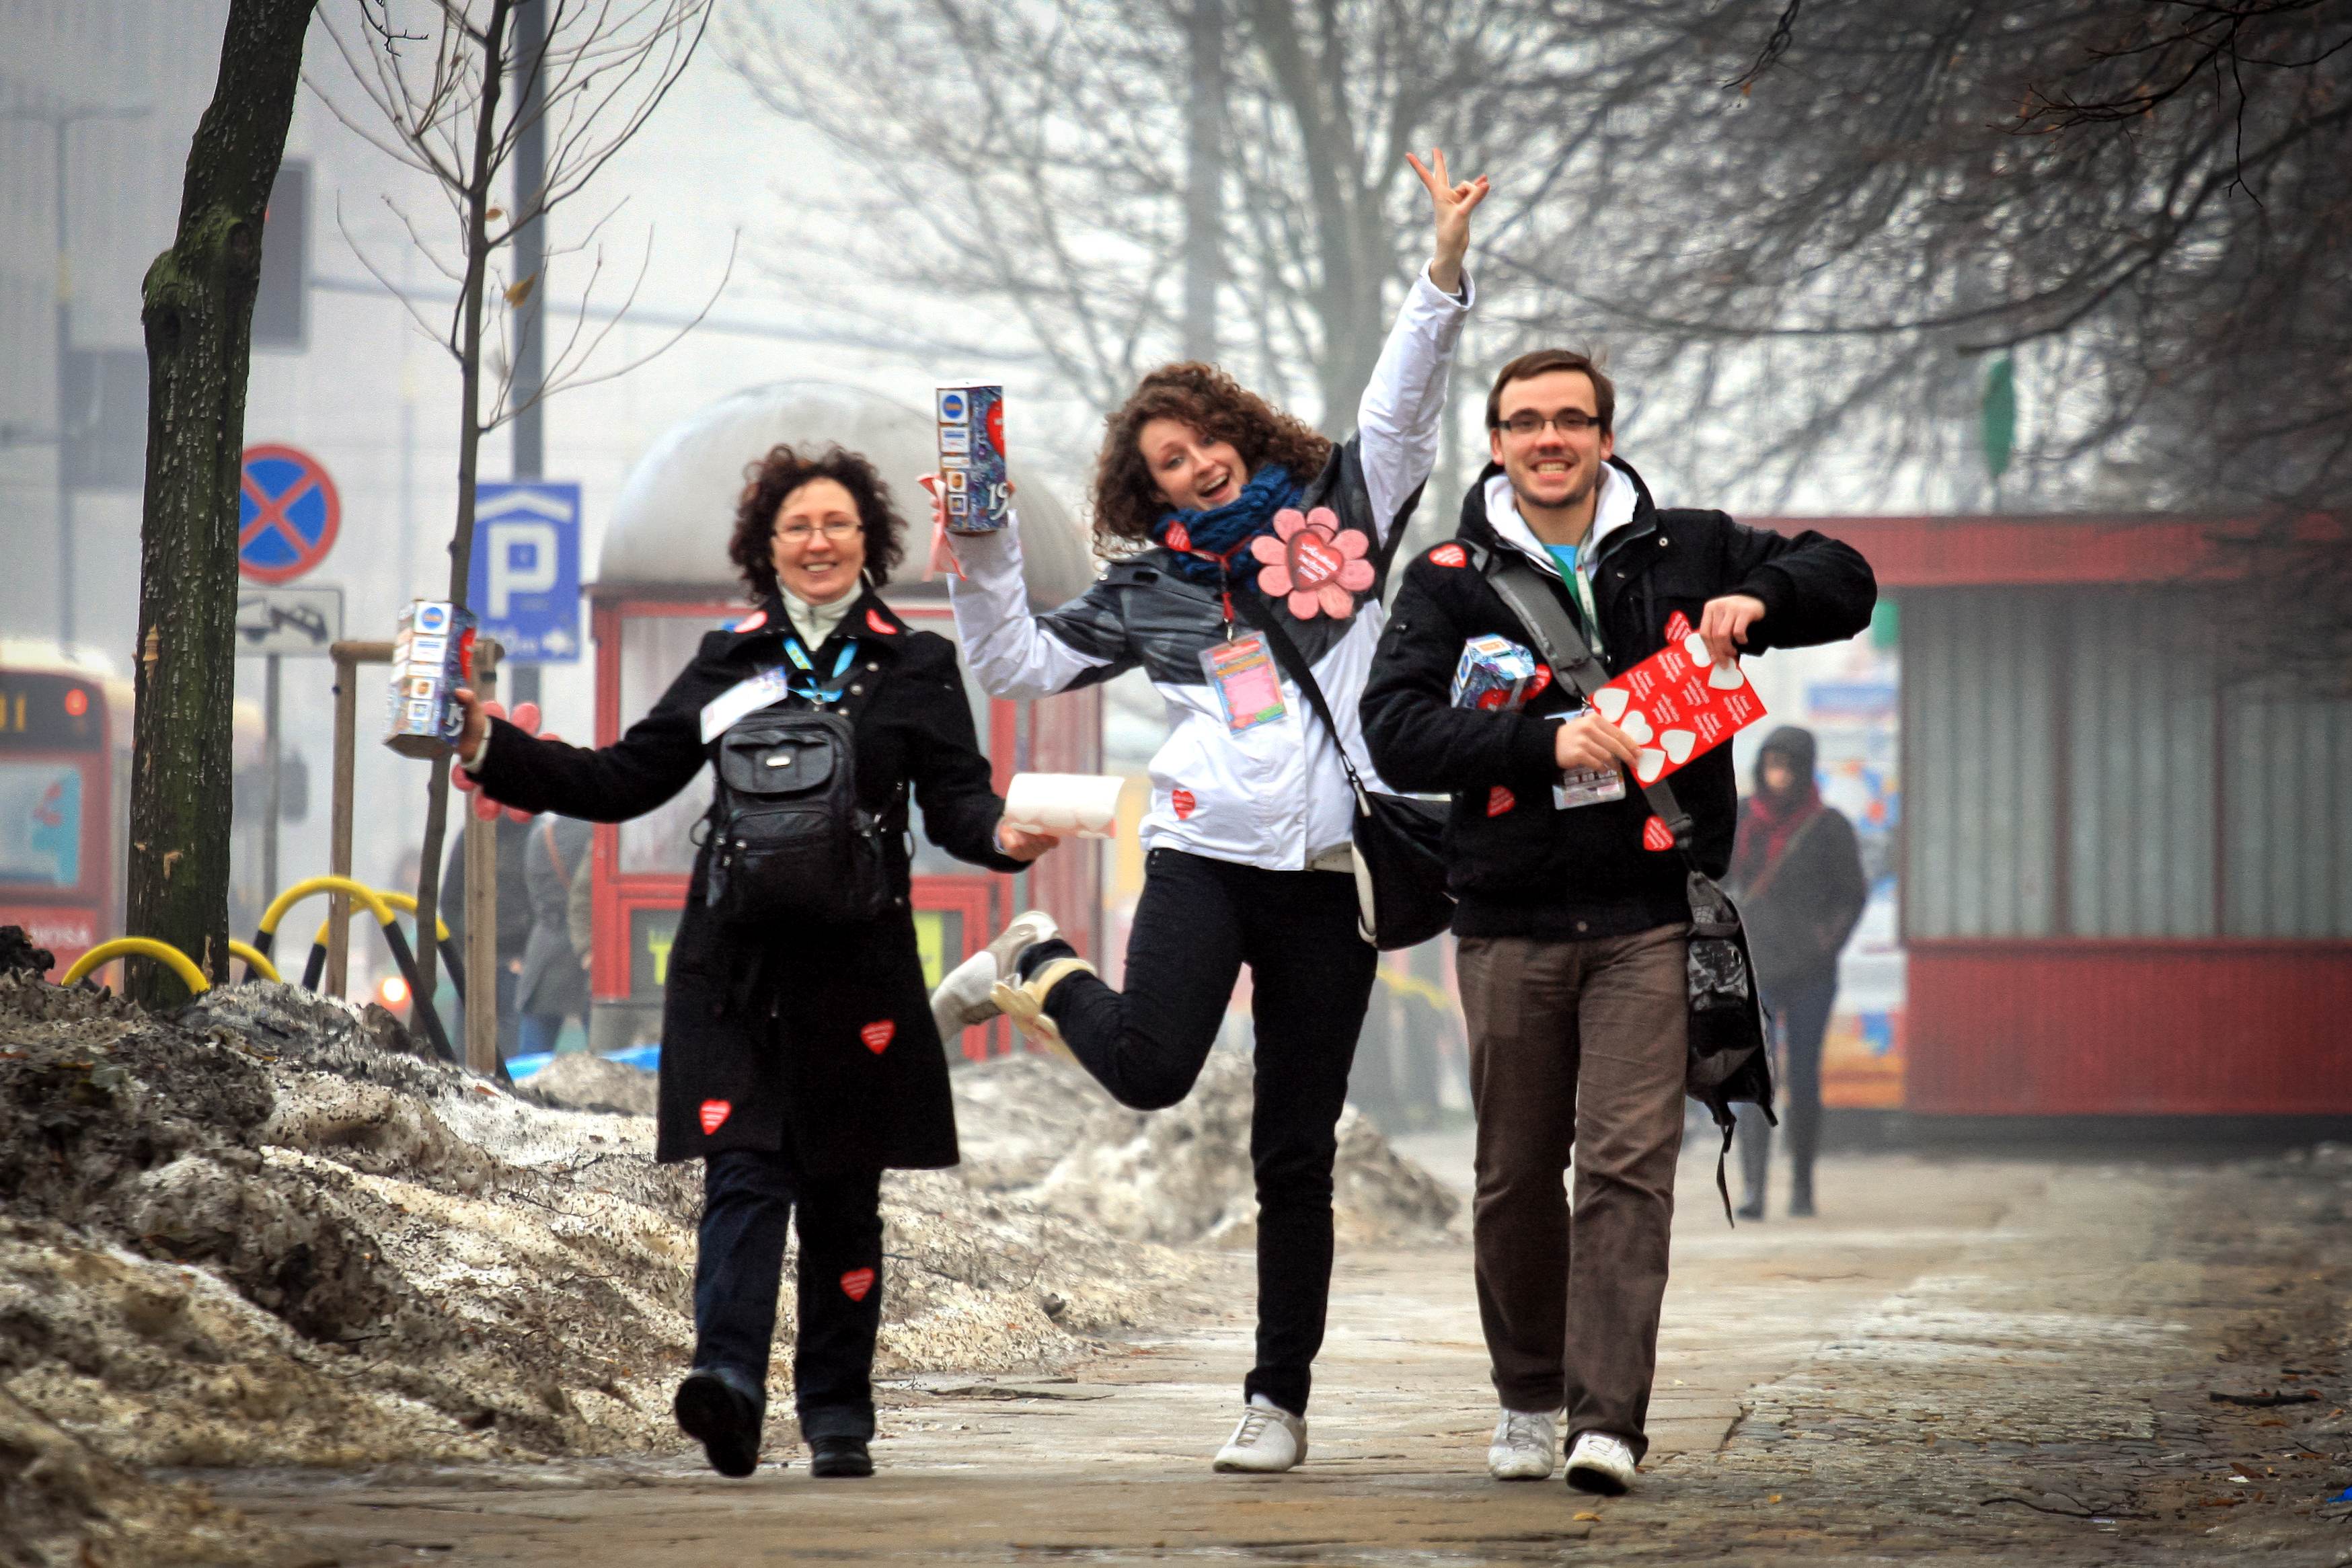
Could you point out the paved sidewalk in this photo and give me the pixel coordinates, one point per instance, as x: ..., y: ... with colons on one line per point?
x: 1963, y: 1362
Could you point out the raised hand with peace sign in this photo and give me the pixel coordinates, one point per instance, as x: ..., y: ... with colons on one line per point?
x: 1452, y: 206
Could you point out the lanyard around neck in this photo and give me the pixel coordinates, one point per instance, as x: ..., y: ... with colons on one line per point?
x: 829, y: 689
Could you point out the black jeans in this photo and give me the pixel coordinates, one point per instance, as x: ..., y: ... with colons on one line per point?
x: 747, y: 1197
x: 1198, y: 922
x: 1799, y: 1015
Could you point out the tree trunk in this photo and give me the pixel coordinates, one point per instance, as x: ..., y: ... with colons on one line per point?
x: 198, y: 316
x: 470, y: 447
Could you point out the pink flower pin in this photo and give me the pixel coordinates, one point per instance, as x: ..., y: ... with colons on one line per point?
x: 1313, y: 562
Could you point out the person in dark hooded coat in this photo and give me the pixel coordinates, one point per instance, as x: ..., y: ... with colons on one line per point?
x: 799, y: 1058
x: 1797, y: 876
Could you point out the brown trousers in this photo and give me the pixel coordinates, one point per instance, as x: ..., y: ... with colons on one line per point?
x: 1576, y: 1046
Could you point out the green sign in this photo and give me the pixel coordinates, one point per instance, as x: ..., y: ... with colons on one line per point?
x: 1999, y: 421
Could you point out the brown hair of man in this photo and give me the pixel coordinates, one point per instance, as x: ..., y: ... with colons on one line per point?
x: 1127, y: 501
x: 1543, y: 362
x: 769, y: 482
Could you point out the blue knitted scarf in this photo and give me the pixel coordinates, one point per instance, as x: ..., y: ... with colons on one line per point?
x: 1212, y: 541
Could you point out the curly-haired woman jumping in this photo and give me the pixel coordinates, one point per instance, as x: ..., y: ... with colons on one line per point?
x: 1205, y: 496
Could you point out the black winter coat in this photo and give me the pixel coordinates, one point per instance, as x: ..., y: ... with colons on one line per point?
x: 822, y: 1035
x: 1518, y: 866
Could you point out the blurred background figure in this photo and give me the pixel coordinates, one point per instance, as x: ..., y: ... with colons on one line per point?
x: 515, y: 847
x: 555, y: 987
x: 1796, y: 871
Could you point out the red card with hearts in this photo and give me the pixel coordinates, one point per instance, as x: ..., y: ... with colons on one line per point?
x: 1676, y: 706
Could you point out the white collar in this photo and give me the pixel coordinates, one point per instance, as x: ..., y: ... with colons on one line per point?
x: 815, y: 622
x: 1613, y: 512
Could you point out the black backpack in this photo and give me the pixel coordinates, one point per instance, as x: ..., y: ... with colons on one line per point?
x: 789, y: 841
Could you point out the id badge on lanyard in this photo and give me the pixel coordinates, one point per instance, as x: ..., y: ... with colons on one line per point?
x: 1242, y: 672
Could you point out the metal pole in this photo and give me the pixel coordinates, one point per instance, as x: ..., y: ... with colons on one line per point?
x: 339, y: 843
x: 65, y: 415
x: 1204, y: 177
x: 270, y: 808
x: 482, y: 904
x: 347, y: 657
x: 529, y: 261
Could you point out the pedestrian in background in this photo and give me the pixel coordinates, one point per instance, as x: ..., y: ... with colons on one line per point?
x: 514, y: 930
x: 1796, y: 872
x: 555, y: 958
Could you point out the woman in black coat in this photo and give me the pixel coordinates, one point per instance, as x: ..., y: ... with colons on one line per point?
x: 799, y: 1058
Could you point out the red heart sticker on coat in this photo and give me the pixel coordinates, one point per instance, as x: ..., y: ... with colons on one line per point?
x: 856, y: 1283
x: 1656, y: 835
x: 873, y: 619
x: 1183, y: 802
x: 1542, y: 679
x: 1499, y: 801
x: 878, y: 1035
x: 752, y: 622
x: 1678, y: 627
x: 1449, y: 555
x: 713, y: 1114
x: 1179, y: 536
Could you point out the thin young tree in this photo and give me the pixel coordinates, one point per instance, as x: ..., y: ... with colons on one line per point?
x: 198, y: 314
x: 434, y: 75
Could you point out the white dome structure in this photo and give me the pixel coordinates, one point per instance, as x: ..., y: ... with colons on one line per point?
x: 675, y: 516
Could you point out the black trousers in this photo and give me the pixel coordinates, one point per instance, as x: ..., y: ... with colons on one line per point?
x: 1198, y: 922
x: 1799, y: 1015
x: 748, y: 1198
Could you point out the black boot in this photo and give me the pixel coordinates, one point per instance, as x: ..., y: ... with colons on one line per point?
x: 839, y: 1456
x: 717, y: 1406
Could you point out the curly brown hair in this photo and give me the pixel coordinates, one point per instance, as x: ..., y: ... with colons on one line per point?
x: 771, y: 481
x: 1128, y: 502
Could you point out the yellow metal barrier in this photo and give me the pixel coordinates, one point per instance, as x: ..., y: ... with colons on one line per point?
x: 315, y: 969
x: 394, y: 939
x: 144, y: 946
x: 256, y: 962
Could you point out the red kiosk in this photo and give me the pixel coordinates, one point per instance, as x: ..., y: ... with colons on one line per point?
x: 663, y: 580
x: 2126, y: 883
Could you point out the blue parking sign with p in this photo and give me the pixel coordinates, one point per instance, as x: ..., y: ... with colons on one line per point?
x: 524, y: 581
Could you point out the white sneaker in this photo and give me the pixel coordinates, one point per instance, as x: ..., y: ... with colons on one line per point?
x: 963, y: 998
x: 1526, y: 1445
x: 1268, y: 1440
x: 1601, y: 1463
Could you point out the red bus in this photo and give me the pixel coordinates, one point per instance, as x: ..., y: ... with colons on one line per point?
x: 57, y: 789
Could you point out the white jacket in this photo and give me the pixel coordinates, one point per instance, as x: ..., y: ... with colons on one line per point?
x: 1275, y: 796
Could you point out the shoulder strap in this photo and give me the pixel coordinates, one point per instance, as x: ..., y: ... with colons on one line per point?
x: 1571, y: 657
x: 1287, y: 654
x: 547, y: 837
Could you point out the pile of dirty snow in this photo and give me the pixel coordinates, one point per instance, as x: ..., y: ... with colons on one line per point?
x: 257, y: 1231
x: 1038, y: 1128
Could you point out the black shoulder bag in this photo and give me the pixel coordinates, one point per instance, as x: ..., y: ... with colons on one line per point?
x: 789, y: 841
x: 1728, y: 1062
x: 1401, y: 896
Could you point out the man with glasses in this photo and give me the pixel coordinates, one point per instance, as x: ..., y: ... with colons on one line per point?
x: 1572, y: 914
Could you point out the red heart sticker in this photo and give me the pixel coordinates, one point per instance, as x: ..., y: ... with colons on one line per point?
x: 1656, y: 835
x: 1179, y: 536
x: 1678, y: 627
x: 873, y: 619
x: 1183, y: 802
x: 878, y: 1035
x: 753, y: 622
x: 1499, y: 801
x: 1542, y: 679
x: 1449, y: 555
x: 856, y: 1283
x: 714, y: 1114
x: 1313, y: 562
